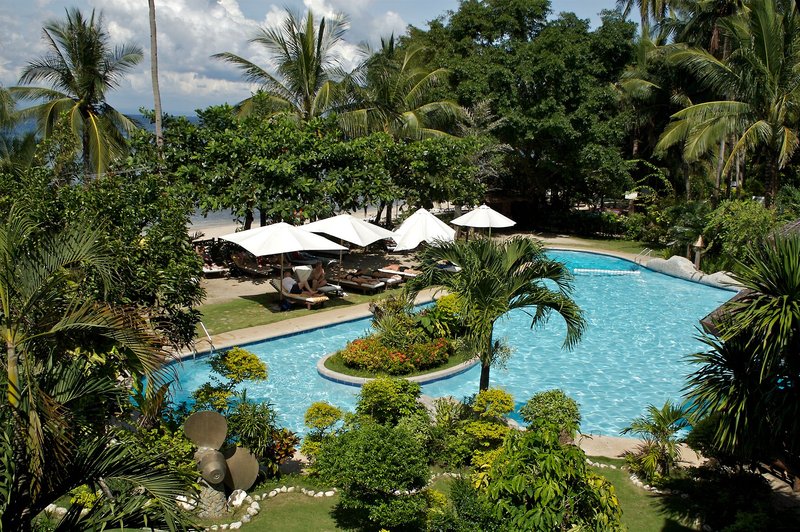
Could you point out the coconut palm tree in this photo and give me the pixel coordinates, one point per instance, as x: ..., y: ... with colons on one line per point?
x: 392, y: 92
x: 759, y: 85
x: 659, y: 429
x: 307, y: 65
x: 81, y: 68
x: 649, y: 10
x: 497, y: 277
x: 154, y: 72
x: 58, y: 396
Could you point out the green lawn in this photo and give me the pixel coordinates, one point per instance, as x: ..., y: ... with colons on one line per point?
x: 642, y: 511
x: 262, y: 309
x: 605, y: 244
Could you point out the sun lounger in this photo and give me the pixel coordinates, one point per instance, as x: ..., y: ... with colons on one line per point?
x: 365, y: 284
x: 403, y: 271
x: 308, y: 301
x: 212, y: 270
x: 251, y: 265
x: 391, y: 279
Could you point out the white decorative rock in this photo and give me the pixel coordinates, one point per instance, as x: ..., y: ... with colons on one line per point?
x: 319, y: 494
x: 248, y: 499
x: 291, y: 489
x: 252, y: 512
x: 223, y: 526
x: 283, y: 489
x: 214, y: 527
x: 186, y: 503
x: 273, y: 493
x: 256, y: 506
x: 246, y: 518
x: 330, y: 493
x: 257, y: 498
x: 235, y: 525
x: 237, y: 498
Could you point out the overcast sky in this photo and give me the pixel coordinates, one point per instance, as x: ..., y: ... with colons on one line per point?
x: 189, y: 31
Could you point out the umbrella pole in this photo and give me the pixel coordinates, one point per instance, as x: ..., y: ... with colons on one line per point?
x: 280, y: 282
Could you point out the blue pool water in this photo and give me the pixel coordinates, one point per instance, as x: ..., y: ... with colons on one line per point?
x: 641, y: 324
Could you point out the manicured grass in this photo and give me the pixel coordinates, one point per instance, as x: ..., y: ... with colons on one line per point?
x: 335, y: 363
x: 641, y: 510
x: 294, y: 512
x: 262, y: 309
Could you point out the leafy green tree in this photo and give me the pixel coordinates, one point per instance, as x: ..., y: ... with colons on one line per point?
x: 536, y: 483
x: 659, y: 428
x: 734, y: 225
x: 81, y: 68
x: 380, y: 471
x: 553, y: 407
x: 393, y: 91
x: 230, y: 368
x: 386, y: 400
x: 755, y: 89
x: 743, y: 379
x: 64, y: 352
x: 307, y: 65
x: 497, y: 277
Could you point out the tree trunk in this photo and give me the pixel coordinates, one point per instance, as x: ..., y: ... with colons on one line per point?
x: 13, y: 374
x: 720, y: 167
x: 154, y: 75
x: 381, y: 206
x: 772, y: 183
x: 248, y: 219
x: 484, y: 383
x: 688, y: 180
x: 389, y: 206
x: 262, y: 214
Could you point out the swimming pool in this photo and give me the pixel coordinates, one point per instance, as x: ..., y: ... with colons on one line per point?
x: 641, y: 324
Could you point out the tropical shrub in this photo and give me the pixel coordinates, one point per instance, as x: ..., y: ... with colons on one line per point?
x: 386, y: 400
x: 553, y: 407
x: 442, y: 319
x: 538, y: 483
x: 373, y: 355
x: 733, y: 226
x: 230, y: 368
x: 659, y: 429
x: 320, y: 418
x: 380, y: 471
x: 253, y: 425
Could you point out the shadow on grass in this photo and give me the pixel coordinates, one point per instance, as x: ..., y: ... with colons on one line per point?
x: 271, y: 302
x: 721, y: 499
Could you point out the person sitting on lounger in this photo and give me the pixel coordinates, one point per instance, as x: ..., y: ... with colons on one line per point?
x: 317, y: 278
x: 293, y: 287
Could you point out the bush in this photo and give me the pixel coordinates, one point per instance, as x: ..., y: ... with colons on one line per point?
x: 537, y: 483
x: 554, y: 407
x: 373, y: 355
x: 493, y: 404
x: 386, y: 400
x: 380, y: 471
x: 734, y: 225
x: 252, y: 425
x: 230, y: 368
x: 443, y: 319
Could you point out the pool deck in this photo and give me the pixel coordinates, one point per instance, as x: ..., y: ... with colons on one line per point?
x: 593, y: 445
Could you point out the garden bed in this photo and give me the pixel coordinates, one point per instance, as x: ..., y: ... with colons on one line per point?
x: 333, y: 367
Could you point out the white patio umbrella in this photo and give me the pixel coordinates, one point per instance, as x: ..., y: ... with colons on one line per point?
x: 350, y: 229
x: 279, y: 238
x: 420, y: 227
x: 484, y: 216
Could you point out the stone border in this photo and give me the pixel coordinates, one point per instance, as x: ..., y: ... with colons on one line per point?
x: 341, y: 378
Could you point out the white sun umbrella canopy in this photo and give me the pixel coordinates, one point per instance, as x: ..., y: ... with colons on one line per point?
x: 350, y: 229
x: 280, y: 238
x: 420, y: 227
x: 484, y: 216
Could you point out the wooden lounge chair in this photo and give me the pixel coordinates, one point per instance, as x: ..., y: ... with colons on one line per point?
x: 391, y: 279
x: 363, y: 283
x: 308, y: 301
x: 403, y: 271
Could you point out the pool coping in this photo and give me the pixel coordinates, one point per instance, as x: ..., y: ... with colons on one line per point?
x: 427, y: 378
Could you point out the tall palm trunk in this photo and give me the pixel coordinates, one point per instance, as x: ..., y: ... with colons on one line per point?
x: 12, y: 365
x: 154, y: 74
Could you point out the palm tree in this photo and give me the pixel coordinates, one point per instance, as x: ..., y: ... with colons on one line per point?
x: 58, y: 399
x: 392, y: 92
x: 307, y: 65
x: 154, y: 72
x: 748, y: 377
x: 654, y: 10
x: 497, y: 277
x: 759, y: 81
x: 81, y: 68
x: 659, y: 429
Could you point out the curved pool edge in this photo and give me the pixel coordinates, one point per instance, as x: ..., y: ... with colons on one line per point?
x: 434, y: 376
x: 624, y: 256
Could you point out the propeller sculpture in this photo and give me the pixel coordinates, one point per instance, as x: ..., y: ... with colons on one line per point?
x: 236, y: 468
